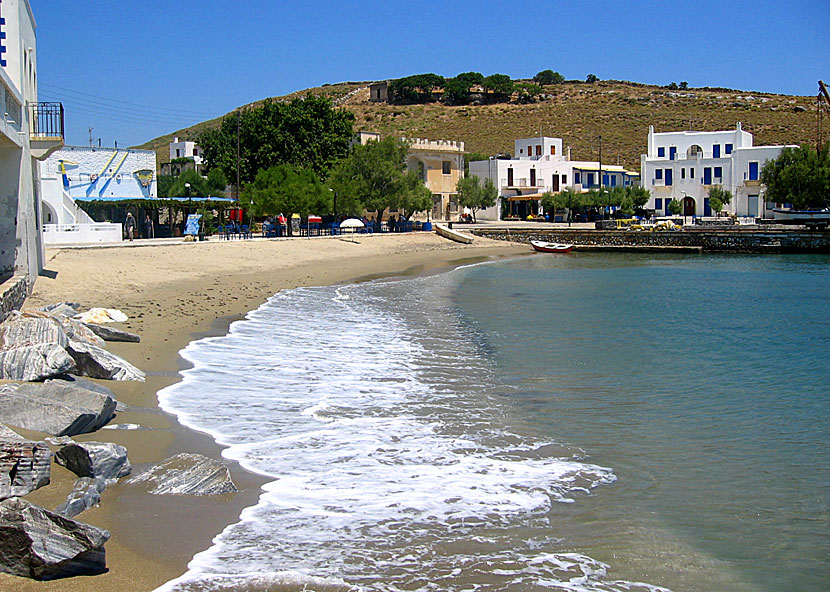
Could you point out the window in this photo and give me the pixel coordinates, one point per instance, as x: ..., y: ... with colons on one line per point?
x: 716, y: 151
x: 538, y: 150
x: 672, y: 152
x: 658, y: 174
x: 658, y: 203
x: 605, y: 180
x: 577, y: 177
x: 718, y: 172
x: 178, y: 153
x: 195, y: 152
x: 564, y: 179
x: 590, y: 179
x: 728, y: 148
x: 661, y: 152
x: 707, y: 176
x: 753, y: 171
x: 682, y: 173
x: 445, y: 167
x: 553, y: 150
x: 613, y: 180
x: 668, y: 176
x: 691, y: 173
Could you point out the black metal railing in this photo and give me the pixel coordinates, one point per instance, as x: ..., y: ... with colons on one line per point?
x: 47, y: 120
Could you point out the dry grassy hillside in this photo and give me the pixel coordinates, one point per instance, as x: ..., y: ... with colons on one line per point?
x: 576, y: 112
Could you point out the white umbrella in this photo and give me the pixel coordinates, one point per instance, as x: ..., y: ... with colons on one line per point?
x: 352, y: 223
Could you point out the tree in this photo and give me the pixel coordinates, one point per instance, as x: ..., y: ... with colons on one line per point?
x: 568, y: 199
x: 684, y: 85
x: 799, y: 176
x: 217, y: 182
x: 474, y: 194
x: 457, y: 92
x: 527, y: 93
x: 591, y: 79
x: 288, y: 190
x: 374, y: 177
x: 548, y: 77
x: 672, y: 86
x: 719, y: 197
x: 306, y: 132
x: 415, y: 89
x: 675, y: 207
x: 189, y: 184
x: 501, y: 86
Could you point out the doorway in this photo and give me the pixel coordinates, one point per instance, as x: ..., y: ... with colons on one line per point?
x: 688, y: 206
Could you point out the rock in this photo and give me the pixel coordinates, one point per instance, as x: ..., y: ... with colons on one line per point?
x: 7, y: 433
x: 111, y: 334
x: 93, y: 361
x: 24, y: 466
x: 54, y: 408
x: 39, y: 544
x: 62, y: 309
x: 31, y: 328
x: 78, y: 331
x: 81, y: 382
x: 84, y: 495
x: 58, y: 440
x: 34, y: 362
x: 102, y: 315
x: 187, y: 474
x: 95, y: 459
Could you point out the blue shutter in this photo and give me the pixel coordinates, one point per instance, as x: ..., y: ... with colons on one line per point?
x: 658, y: 174
x: 707, y: 209
x: 672, y: 152
x: 728, y: 148
x: 753, y: 171
x: 716, y: 151
x: 668, y: 176
x: 658, y: 203
x: 661, y: 152
x: 707, y: 176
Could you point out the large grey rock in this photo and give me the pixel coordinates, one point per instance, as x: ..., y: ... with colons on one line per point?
x: 56, y: 408
x: 188, y: 474
x: 32, y: 328
x: 95, y: 459
x: 112, y: 334
x: 62, y: 309
x: 42, y: 545
x: 6, y: 433
x: 85, y: 494
x: 78, y: 331
x: 34, y: 362
x: 24, y: 466
x: 80, y: 382
x: 93, y: 361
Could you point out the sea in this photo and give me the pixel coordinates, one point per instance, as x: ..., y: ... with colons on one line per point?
x: 584, y: 422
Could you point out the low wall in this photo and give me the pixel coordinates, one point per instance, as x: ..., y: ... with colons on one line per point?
x: 737, y: 241
x: 13, y: 292
x: 79, y: 234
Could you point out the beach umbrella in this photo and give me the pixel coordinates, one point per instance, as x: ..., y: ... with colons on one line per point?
x: 352, y: 223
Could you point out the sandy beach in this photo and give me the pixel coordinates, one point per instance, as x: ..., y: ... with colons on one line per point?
x: 174, y: 292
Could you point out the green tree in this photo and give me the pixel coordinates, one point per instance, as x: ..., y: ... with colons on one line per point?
x: 568, y: 199
x: 418, y: 88
x: 189, y: 184
x: 719, y: 197
x: 548, y: 77
x: 500, y: 85
x: 374, y: 177
x: 591, y: 79
x: 163, y: 183
x: 288, y: 190
x: 800, y: 176
x: 527, y: 93
x: 675, y: 207
x: 306, y: 132
x: 457, y: 92
x: 217, y: 182
x: 474, y: 194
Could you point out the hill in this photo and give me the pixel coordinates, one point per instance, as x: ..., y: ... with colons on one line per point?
x: 577, y: 112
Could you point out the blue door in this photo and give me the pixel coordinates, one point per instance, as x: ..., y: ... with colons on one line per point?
x: 668, y: 212
x: 672, y: 153
x: 707, y: 176
x: 707, y: 209
x: 716, y: 151
x: 668, y: 177
x: 753, y: 171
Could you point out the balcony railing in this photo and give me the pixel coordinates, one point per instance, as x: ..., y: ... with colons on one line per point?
x: 47, y: 121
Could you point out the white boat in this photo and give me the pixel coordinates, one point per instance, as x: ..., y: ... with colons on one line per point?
x: 806, y: 217
x: 451, y: 234
x: 543, y: 247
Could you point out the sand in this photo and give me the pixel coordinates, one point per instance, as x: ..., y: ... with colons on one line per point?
x: 174, y: 292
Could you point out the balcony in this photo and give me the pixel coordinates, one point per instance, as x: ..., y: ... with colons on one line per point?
x: 46, y: 130
x: 523, y: 183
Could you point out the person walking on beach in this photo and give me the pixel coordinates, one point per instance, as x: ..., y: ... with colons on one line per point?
x: 129, y: 224
x: 148, y: 227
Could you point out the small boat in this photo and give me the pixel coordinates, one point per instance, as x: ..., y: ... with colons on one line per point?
x: 543, y: 247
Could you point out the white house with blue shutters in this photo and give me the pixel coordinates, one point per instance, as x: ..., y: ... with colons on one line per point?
x: 686, y: 165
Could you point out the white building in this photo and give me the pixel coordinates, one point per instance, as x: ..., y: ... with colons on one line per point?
x: 686, y: 165
x: 29, y: 131
x: 186, y: 149
x: 81, y: 173
x: 541, y: 165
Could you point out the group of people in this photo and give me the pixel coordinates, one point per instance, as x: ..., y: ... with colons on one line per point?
x: 130, y: 226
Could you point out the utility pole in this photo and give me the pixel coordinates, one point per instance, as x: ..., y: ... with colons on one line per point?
x: 237, y: 155
x: 90, y: 136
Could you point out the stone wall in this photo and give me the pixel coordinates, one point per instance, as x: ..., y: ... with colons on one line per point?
x: 12, y: 294
x: 737, y: 241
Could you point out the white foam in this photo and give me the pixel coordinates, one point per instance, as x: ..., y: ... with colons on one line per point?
x: 393, y: 465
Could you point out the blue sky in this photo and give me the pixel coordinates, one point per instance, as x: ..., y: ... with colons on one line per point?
x: 137, y: 70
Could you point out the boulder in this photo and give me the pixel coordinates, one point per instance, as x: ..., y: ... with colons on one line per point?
x: 32, y: 328
x: 187, y: 474
x: 85, y: 494
x: 42, y: 545
x: 62, y: 309
x: 24, y: 466
x: 93, y: 361
x: 54, y: 408
x: 112, y: 334
x: 34, y: 362
x: 78, y: 331
x: 103, y: 460
x: 7, y: 433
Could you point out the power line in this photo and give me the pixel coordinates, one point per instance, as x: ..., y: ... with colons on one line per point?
x: 80, y: 105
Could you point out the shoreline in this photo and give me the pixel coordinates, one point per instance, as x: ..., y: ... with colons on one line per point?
x: 174, y: 294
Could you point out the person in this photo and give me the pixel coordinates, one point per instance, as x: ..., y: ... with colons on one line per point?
x: 129, y: 224
x: 391, y: 224
x: 148, y: 227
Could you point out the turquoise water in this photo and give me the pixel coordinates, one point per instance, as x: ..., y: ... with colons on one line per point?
x: 586, y: 422
x: 703, y: 382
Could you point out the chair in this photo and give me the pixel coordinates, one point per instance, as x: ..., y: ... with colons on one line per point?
x: 220, y: 230
x: 245, y: 231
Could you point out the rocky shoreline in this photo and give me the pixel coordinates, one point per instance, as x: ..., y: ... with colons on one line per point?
x: 47, y: 358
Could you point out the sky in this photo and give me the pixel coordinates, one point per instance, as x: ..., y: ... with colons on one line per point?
x: 133, y: 71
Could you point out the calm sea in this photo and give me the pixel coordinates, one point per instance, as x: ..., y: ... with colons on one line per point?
x: 582, y: 422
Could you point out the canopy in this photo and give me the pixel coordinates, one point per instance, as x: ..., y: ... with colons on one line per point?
x: 529, y: 197
x: 351, y: 223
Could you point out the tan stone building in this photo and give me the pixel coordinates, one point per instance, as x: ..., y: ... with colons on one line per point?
x: 440, y: 163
